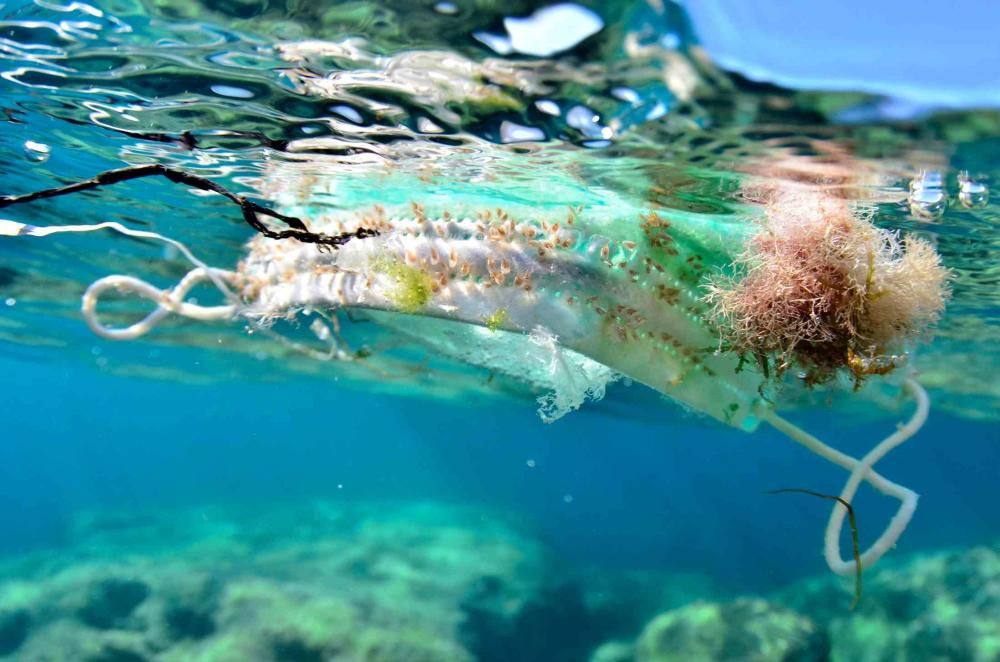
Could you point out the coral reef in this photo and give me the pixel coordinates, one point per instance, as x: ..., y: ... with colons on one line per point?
x: 939, y: 606
x: 358, y: 583
x: 438, y: 583
x: 745, y: 629
x: 942, y: 606
x: 365, y: 583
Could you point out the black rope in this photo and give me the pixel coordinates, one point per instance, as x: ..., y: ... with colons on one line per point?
x: 250, y: 209
x: 188, y: 140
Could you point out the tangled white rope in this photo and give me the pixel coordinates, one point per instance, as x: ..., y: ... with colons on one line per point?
x: 862, y: 470
x: 167, y: 301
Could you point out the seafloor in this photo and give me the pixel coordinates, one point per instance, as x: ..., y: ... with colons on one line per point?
x: 437, y: 582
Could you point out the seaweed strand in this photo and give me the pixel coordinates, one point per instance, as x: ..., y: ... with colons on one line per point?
x: 856, y: 547
x: 250, y: 209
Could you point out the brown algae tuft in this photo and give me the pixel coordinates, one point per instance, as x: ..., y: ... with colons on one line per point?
x: 822, y: 288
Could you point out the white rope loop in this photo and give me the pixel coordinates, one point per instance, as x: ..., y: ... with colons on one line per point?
x: 167, y: 301
x: 908, y: 498
x: 862, y: 470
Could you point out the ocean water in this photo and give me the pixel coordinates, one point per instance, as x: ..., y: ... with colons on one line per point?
x: 231, y: 490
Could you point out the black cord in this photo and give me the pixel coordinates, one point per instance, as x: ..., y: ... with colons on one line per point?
x: 250, y: 210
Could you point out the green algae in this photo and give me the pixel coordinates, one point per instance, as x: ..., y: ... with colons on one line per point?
x: 495, y: 321
x: 414, y: 287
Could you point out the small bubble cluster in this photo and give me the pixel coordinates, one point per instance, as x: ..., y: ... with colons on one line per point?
x: 928, y: 194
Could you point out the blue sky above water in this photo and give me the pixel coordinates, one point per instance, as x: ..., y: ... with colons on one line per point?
x: 935, y: 55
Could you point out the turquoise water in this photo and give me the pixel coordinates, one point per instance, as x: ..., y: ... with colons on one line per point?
x: 208, y: 493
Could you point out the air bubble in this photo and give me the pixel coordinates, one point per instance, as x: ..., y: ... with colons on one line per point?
x: 511, y: 132
x: 626, y: 94
x: 587, y: 122
x: 232, y: 92
x: 548, y: 107
x: 36, y: 152
x: 425, y: 125
x: 499, y: 43
x: 348, y: 113
x: 928, y: 198
x: 446, y: 8
x: 972, y: 193
x: 929, y: 179
x: 552, y: 29
x: 320, y: 330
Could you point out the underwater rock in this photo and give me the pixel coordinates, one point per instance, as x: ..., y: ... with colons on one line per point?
x: 323, y: 581
x: 570, y: 614
x: 269, y: 620
x: 188, y: 608
x: 554, y: 625
x: 189, y: 622
x: 624, y: 601
x: 391, y: 645
x: 112, y: 653
x: 943, y: 606
x: 428, y: 582
x: 935, y: 607
x: 111, y: 601
x: 67, y: 639
x: 14, y: 625
x: 372, y: 583
x: 747, y: 630
x: 614, y: 651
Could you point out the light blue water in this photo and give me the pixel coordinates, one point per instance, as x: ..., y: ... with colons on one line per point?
x: 676, y: 493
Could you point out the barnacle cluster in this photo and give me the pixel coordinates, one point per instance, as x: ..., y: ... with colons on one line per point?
x: 569, y: 297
